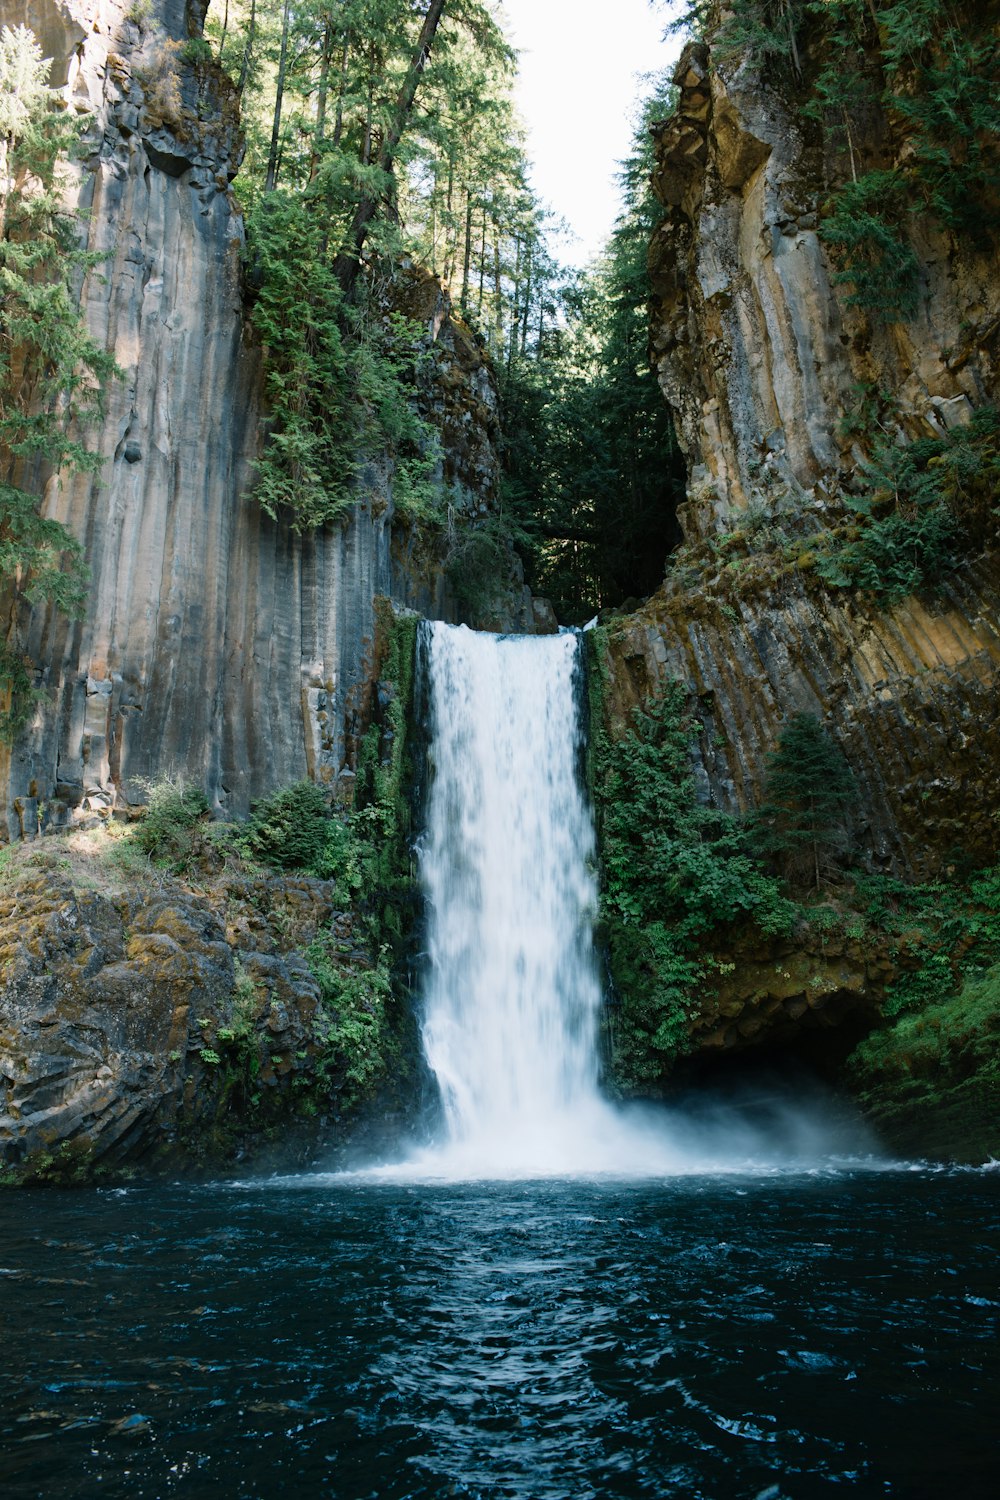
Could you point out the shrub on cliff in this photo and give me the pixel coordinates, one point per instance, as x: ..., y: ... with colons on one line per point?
x: 168, y: 830
x: 932, y: 1081
x: 865, y: 224
x: 675, y: 872
x: 925, y: 503
x: 293, y: 830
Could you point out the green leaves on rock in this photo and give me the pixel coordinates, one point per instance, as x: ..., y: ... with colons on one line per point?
x: 379, y: 132
x: 932, y: 71
x: 923, y: 503
x: 339, y: 380
x: 865, y: 225
x: 675, y: 872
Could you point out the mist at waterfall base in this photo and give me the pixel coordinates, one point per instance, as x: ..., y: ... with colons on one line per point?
x: 512, y: 993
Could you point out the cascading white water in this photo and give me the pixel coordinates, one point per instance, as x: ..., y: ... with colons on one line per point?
x: 512, y: 997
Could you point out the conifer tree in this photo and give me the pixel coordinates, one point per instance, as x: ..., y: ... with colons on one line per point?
x: 808, y: 787
x: 595, y: 471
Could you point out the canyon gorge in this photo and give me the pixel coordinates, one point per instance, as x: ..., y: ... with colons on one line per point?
x: 169, y: 1014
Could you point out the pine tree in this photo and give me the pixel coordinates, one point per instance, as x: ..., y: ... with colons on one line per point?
x: 595, y: 471
x: 808, y: 787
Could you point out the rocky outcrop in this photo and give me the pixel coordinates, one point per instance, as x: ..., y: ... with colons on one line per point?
x: 458, y: 394
x: 792, y: 993
x: 763, y: 360
x: 931, y: 1083
x: 117, y: 1005
x: 758, y: 351
x: 143, y: 1021
x: 217, y: 644
x: 909, y: 694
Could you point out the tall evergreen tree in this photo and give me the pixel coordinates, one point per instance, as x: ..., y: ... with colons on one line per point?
x: 595, y: 473
x: 808, y: 788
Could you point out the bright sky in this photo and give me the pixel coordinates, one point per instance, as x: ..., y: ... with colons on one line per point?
x: 580, y: 66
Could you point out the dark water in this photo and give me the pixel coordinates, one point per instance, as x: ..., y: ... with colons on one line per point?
x: 804, y: 1335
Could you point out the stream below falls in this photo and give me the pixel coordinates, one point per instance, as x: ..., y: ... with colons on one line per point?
x: 822, y: 1333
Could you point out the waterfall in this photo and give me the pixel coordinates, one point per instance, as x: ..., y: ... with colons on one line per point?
x: 512, y: 996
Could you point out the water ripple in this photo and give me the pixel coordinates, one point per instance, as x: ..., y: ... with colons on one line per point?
x: 525, y: 1341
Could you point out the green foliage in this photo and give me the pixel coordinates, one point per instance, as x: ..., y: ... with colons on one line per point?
x: 382, y: 874
x: 762, y: 31
x: 676, y: 874
x: 931, y: 1082
x: 927, y: 984
x: 339, y: 381
x: 197, y: 51
x: 922, y: 501
x: 951, y: 1023
x: 52, y: 374
x: 330, y: 157
x: 291, y: 829
x: 932, y: 70
x: 865, y: 224
x: 362, y: 1027
x: 942, y: 70
x: 807, y: 790
x: 943, y: 930
x: 356, y: 1029
x: 25, y: 98
x: 169, y: 828
x: 478, y: 566
x: 593, y: 470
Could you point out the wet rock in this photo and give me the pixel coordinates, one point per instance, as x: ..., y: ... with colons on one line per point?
x: 908, y: 693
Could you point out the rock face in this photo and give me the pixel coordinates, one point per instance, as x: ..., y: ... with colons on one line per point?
x: 760, y: 356
x: 217, y: 644
x: 758, y: 352
x: 128, y: 1017
x: 791, y: 993
x: 909, y: 694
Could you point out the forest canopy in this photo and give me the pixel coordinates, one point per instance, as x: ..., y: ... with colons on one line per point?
x: 380, y: 132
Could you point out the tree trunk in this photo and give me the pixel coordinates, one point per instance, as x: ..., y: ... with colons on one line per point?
x: 482, y: 268
x: 324, y: 84
x: 515, y: 305
x: 248, y: 49
x: 272, y: 155
x: 467, y: 260
x: 348, y: 261
x: 222, y: 38
x: 497, y: 293
x: 338, y: 124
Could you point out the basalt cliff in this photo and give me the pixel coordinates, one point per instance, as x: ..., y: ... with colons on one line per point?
x: 217, y: 645
x: 767, y: 360
x: 762, y: 358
